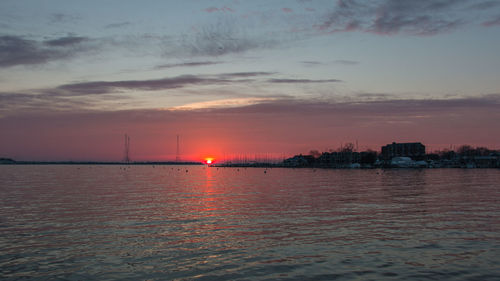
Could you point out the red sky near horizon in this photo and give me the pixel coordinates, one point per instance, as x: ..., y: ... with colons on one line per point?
x: 274, y: 130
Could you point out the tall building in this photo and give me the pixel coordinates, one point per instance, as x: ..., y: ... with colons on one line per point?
x: 414, y: 150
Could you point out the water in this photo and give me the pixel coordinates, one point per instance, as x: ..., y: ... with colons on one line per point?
x: 197, y: 223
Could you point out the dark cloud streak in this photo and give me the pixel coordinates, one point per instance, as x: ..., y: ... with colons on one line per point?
x: 118, y: 24
x: 245, y: 74
x: 302, y: 81
x: 386, y: 17
x: 188, y: 64
x: 16, y: 50
x: 104, y: 87
x: 66, y: 41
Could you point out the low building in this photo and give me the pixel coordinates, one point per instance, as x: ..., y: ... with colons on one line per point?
x: 341, y: 159
x: 299, y: 161
x: 413, y: 150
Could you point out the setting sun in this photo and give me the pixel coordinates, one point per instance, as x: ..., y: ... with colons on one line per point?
x: 209, y: 161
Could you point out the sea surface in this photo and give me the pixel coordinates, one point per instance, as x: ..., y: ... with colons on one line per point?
x: 81, y: 222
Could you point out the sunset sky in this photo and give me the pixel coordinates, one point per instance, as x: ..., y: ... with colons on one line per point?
x: 245, y: 77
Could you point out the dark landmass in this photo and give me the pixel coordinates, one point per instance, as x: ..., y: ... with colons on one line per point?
x: 398, y: 155
x: 13, y: 162
x: 7, y: 161
x: 395, y: 155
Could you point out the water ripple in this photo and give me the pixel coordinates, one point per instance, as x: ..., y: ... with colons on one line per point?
x: 105, y: 222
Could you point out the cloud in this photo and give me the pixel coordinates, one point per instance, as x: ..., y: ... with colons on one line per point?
x: 311, y: 63
x: 287, y: 10
x: 10, y: 103
x: 493, y: 22
x: 346, y: 62
x: 222, y: 38
x: 423, y: 17
x: 342, y: 62
x: 16, y: 50
x: 223, y: 103
x: 104, y: 87
x: 57, y: 18
x: 245, y: 74
x: 130, y: 93
x: 302, y: 81
x: 93, y: 93
x: 118, y: 24
x: 66, y: 41
x: 188, y: 64
x: 215, y: 9
x: 484, y: 5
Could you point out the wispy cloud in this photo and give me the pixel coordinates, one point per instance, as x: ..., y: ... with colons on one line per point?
x: 12, y: 103
x: 312, y: 63
x: 346, y: 62
x: 484, y: 5
x: 302, y: 81
x: 17, y: 50
x: 188, y: 64
x: 63, y: 18
x: 223, y: 103
x: 245, y: 74
x: 92, y: 93
x: 342, y: 62
x: 365, y: 105
x: 221, y: 9
x: 118, y: 24
x: 492, y: 22
x: 66, y: 41
x: 104, y: 87
x: 424, y: 17
x: 222, y: 38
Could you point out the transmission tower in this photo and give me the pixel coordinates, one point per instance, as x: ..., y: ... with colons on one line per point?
x: 127, y: 149
x: 177, y: 154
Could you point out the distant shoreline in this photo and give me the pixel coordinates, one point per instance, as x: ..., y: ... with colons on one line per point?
x: 71, y: 163
x: 96, y: 163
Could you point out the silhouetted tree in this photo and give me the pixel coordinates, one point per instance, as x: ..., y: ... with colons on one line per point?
x: 465, y: 150
x: 315, y: 153
x: 447, y: 154
x: 348, y: 147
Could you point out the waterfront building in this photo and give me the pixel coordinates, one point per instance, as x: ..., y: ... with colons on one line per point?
x: 413, y: 150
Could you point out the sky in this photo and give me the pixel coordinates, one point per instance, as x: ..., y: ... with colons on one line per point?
x: 255, y: 78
